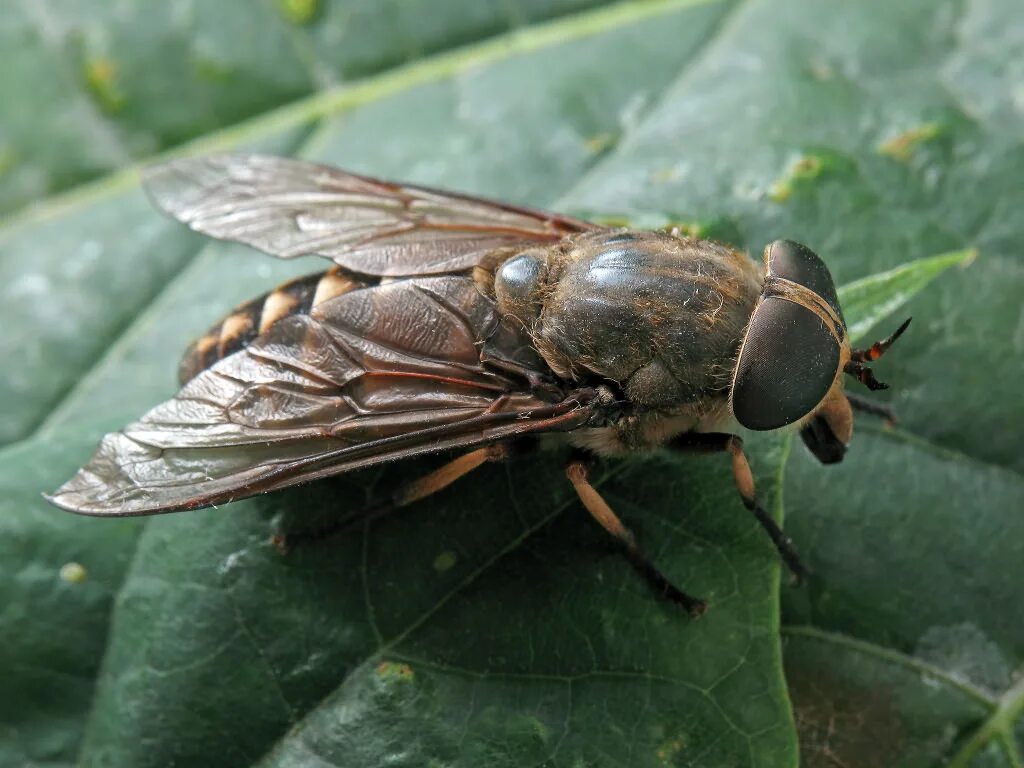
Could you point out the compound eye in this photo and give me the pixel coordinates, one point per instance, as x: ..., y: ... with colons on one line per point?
x: 800, y: 264
x: 787, y: 364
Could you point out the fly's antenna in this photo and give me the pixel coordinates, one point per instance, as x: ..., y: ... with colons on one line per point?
x: 856, y: 368
x: 879, y: 348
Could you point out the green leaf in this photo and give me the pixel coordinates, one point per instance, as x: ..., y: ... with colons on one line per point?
x: 92, y: 85
x: 867, y: 301
x: 914, y: 608
x: 495, y: 624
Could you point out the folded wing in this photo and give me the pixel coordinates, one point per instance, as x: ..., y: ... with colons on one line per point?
x: 376, y: 374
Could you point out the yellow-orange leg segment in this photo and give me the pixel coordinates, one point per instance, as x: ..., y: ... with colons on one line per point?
x: 744, y: 478
x: 578, y: 472
x: 444, y: 476
x: 425, y: 486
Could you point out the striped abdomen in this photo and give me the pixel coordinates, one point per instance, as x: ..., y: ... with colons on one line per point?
x: 249, y: 320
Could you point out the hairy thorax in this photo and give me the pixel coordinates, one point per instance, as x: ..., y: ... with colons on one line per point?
x: 655, y: 319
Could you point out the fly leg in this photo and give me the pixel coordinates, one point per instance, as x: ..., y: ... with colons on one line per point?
x: 716, y: 442
x: 418, y: 489
x: 578, y: 472
x: 858, y: 357
x: 881, y: 410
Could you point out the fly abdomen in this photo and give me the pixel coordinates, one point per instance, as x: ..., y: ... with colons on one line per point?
x: 249, y: 320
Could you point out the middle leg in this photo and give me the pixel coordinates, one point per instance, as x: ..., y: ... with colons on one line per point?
x: 719, y: 442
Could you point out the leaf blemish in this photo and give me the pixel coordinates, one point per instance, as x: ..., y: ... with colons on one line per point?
x: 7, y: 161
x: 902, y: 146
x: 101, y: 79
x: 664, y: 175
x: 822, y: 71
x: 445, y: 561
x: 393, y: 670
x: 595, y: 145
x: 299, y: 11
x: 804, y: 169
x: 73, y: 573
x: 667, y: 752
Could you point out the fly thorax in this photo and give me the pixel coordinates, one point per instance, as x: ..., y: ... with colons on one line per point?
x: 662, y: 316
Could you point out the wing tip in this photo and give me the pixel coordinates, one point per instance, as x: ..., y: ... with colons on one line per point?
x: 75, y: 498
x: 163, y: 186
x: 180, y: 186
x: 77, y: 509
x: 172, y: 185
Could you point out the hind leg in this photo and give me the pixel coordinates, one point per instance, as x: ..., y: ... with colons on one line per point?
x: 418, y: 489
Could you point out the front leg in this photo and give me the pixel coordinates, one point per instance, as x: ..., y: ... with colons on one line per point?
x: 718, y: 442
x: 883, y: 411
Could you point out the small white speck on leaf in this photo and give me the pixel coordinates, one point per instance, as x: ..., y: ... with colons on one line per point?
x: 73, y: 573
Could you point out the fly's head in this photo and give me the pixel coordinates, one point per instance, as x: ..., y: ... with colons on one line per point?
x: 795, y: 351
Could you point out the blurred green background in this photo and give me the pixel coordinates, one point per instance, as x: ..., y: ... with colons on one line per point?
x: 464, y: 631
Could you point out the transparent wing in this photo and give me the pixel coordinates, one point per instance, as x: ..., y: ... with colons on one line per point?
x: 291, y: 208
x: 373, y: 375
